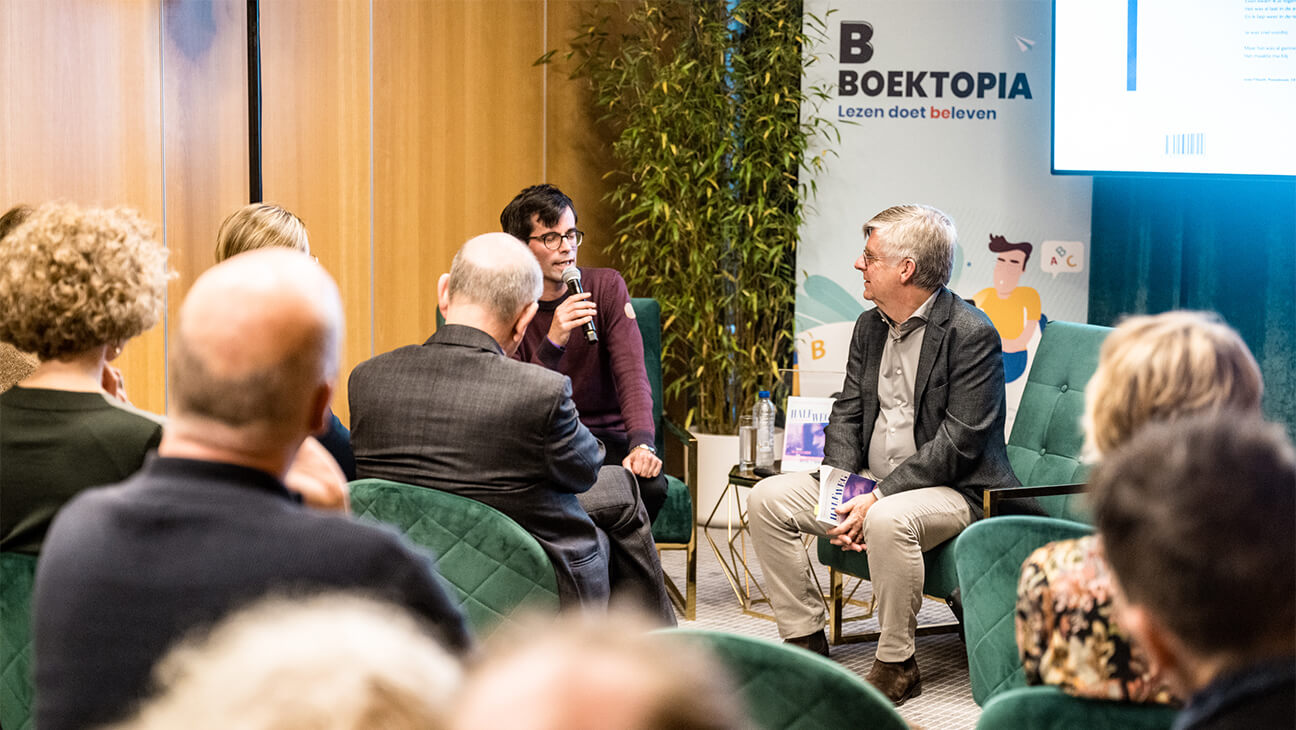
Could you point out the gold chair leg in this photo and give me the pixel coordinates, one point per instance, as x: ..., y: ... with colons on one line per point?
x: 839, y: 599
x: 835, y: 604
x: 690, y: 581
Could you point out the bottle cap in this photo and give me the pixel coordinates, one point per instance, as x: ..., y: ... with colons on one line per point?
x: 763, y: 394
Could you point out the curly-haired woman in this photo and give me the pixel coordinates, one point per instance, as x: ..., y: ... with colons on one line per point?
x: 14, y: 365
x: 75, y: 285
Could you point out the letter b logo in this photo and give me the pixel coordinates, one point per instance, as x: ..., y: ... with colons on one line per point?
x: 855, y: 46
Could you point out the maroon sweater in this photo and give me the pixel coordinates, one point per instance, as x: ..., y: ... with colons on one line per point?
x: 609, y: 383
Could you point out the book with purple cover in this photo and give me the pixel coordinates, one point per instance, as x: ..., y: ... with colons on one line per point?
x: 837, y: 487
x: 803, y: 432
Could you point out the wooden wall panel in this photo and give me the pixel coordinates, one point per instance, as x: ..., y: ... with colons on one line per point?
x: 458, y: 112
x: 204, y: 62
x: 82, y: 121
x: 396, y: 129
x: 316, y: 145
x: 578, y: 149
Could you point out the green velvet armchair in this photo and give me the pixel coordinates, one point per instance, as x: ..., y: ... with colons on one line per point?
x: 17, y: 695
x: 491, y: 566
x: 1049, y: 708
x: 676, y: 525
x: 988, y: 556
x: 783, y: 687
x: 1044, y: 449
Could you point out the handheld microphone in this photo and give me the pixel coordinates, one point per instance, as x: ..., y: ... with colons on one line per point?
x: 571, y: 277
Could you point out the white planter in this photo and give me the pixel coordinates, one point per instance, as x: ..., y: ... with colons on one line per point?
x: 717, y: 454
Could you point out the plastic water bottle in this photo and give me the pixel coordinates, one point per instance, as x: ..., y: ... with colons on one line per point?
x: 764, y: 416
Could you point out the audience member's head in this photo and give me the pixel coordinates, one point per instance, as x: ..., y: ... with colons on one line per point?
x: 13, y: 217
x: 73, y: 280
x: 255, y: 352
x: 333, y: 662
x: 14, y: 364
x: 922, y: 234
x: 1198, y: 520
x: 1166, y: 366
x: 260, y: 225
x: 493, y: 285
x: 545, y: 201
x: 589, y: 672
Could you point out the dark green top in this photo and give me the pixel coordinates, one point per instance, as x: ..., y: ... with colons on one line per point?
x: 56, y: 443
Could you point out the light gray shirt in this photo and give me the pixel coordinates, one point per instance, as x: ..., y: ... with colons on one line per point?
x: 893, y: 431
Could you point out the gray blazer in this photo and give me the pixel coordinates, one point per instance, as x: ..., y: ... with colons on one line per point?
x: 455, y: 414
x: 959, y: 392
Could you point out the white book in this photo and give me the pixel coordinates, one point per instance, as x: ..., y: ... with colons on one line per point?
x: 803, y: 433
x: 837, y: 487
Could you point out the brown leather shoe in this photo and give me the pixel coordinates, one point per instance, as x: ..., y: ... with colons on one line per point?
x: 816, y: 642
x: 897, y: 680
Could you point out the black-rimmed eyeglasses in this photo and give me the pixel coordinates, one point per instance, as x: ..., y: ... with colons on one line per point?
x: 552, y: 240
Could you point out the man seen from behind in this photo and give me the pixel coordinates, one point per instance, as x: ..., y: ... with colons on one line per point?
x: 207, y: 525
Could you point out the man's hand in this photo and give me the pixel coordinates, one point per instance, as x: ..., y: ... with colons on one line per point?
x: 574, y: 312
x: 643, y: 463
x: 318, y: 478
x: 851, y: 522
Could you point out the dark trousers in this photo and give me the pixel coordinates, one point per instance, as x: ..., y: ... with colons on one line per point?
x: 614, y: 505
x: 651, y: 489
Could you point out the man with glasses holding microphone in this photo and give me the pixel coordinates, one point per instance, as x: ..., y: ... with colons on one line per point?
x: 587, y: 331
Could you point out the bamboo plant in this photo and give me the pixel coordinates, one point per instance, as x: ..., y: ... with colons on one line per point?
x: 710, y: 124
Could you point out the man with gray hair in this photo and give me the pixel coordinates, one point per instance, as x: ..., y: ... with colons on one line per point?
x: 457, y: 414
x: 922, y: 413
x: 207, y: 525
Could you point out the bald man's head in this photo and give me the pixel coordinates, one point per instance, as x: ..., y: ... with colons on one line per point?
x: 496, y: 272
x: 257, y: 338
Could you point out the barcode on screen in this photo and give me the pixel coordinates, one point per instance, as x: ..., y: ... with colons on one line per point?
x: 1193, y: 143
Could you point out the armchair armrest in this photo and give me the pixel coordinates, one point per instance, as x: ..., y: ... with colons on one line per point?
x: 689, y: 442
x: 996, y: 495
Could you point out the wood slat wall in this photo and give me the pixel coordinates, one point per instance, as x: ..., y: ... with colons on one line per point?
x: 205, y: 132
x: 316, y: 137
x: 82, y: 122
x: 458, y: 113
x: 396, y: 129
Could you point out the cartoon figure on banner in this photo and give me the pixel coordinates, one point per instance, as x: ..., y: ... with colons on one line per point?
x: 1014, y: 310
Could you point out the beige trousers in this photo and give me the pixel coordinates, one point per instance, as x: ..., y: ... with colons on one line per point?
x: 897, y: 529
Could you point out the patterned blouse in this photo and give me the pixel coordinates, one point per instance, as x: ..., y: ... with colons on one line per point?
x: 1067, y: 635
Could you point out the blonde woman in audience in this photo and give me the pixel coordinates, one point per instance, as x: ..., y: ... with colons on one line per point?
x: 1151, y: 369
x: 331, y: 662
x: 75, y: 285
x: 266, y: 225
x: 586, y: 671
x: 260, y: 225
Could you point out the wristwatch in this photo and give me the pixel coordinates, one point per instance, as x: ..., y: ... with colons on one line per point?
x: 650, y: 449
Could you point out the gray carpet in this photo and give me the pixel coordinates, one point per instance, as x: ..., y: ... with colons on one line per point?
x: 946, y: 699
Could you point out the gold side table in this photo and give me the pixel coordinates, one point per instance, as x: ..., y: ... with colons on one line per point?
x: 732, y: 555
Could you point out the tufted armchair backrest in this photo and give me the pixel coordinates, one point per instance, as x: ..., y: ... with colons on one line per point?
x: 1047, y: 437
x: 17, y: 573
x: 783, y: 687
x: 490, y: 564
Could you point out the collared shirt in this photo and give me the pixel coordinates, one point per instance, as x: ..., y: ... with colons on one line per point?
x: 893, y: 431
x: 1257, y: 696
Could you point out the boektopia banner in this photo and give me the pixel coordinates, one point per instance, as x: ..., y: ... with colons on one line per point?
x: 944, y: 103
